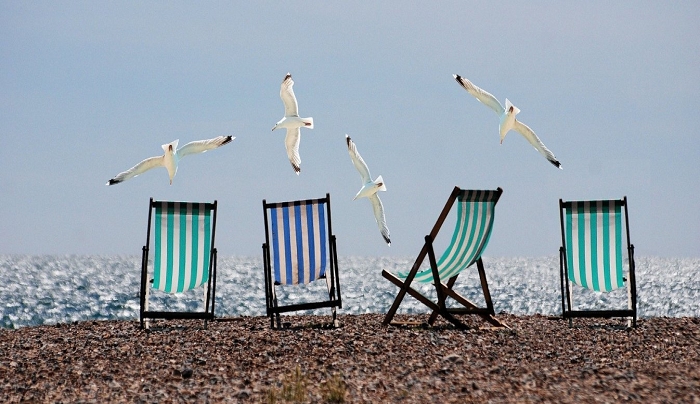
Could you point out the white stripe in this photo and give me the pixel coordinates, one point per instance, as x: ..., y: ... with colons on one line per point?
x: 281, y: 246
x: 293, y: 245
x: 163, y: 246
x: 574, y: 243
x: 201, y: 250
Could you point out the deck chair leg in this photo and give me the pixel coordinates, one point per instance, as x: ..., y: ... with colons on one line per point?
x: 485, y: 286
x: 435, y: 314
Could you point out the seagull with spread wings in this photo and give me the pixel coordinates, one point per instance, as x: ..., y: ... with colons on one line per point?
x: 369, y: 188
x: 171, y: 157
x: 507, y: 118
x: 292, y: 122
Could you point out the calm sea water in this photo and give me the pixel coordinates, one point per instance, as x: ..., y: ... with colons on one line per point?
x: 57, y: 289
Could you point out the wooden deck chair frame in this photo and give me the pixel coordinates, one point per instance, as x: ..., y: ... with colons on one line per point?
x: 207, y: 224
x: 603, y: 207
x: 270, y: 260
x: 444, y: 290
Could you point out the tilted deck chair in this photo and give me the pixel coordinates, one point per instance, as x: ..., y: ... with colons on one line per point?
x: 592, y: 254
x: 299, y: 248
x: 475, y: 215
x: 184, y: 256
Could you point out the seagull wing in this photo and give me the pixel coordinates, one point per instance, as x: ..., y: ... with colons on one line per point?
x: 357, y: 161
x: 291, y: 108
x: 291, y: 142
x: 481, y: 95
x: 140, y: 168
x: 536, y: 142
x: 200, y: 146
x: 379, y: 216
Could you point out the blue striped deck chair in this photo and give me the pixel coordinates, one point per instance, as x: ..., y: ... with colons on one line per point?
x: 299, y: 249
x: 183, y: 257
x: 474, y: 222
x: 594, y: 237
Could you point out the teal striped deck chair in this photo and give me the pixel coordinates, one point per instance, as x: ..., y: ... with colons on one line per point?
x: 299, y: 249
x: 183, y: 258
x: 474, y: 223
x: 594, y: 237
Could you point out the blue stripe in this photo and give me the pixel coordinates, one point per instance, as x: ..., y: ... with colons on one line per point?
x: 312, y: 242
x: 275, y: 244
x: 287, y: 244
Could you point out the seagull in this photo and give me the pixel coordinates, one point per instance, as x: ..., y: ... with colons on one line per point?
x: 171, y: 157
x: 369, y: 188
x: 507, y: 118
x: 292, y: 122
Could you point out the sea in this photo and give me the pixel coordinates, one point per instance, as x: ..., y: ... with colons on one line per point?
x: 51, y: 289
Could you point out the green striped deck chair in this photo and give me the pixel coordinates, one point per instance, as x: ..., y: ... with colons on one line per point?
x: 299, y: 249
x: 183, y: 257
x: 594, y: 237
x: 473, y: 226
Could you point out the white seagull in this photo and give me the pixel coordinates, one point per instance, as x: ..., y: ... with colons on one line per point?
x: 171, y: 157
x: 369, y: 188
x: 507, y: 118
x: 292, y: 122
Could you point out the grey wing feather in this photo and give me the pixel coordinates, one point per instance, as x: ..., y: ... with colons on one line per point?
x: 291, y: 108
x: 379, y: 216
x: 529, y: 134
x: 483, y: 96
x: 140, y: 168
x: 357, y: 161
x: 200, y: 146
x: 291, y: 142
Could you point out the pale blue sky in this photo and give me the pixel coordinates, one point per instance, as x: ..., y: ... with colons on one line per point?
x: 87, y: 89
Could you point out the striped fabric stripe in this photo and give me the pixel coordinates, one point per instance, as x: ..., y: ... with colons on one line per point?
x: 594, y: 251
x: 182, y: 245
x: 299, y: 242
x: 475, y: 214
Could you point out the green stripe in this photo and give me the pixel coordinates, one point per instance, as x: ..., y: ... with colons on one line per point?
x: 170, y: 244
x: 182, y: 248
x: 618, y: 242
x: 569, y: 241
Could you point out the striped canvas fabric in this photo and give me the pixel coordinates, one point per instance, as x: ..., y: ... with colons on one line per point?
x: 594, y: 250
x: 182, y: 245
x: 475, y: 214
x: 299, y: 242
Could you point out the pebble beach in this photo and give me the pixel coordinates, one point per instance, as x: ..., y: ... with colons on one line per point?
x: 539, y: 359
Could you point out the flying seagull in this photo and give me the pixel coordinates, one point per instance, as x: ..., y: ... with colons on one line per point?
x: 369, y: 188
x: 292, y: 122
x: 507, y: 118
x: 171, y: 158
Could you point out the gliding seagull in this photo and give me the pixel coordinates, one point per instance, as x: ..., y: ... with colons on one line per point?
x: 369, y: 188
x: 507, y: 118
x: 171, y: 158
x: 292, y: 122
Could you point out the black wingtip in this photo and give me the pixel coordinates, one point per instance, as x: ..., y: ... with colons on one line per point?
x: 347, y: 140
x: 113, y: 181
x: 458, y: 79
x: 288, y: 76
x: 227, y: 140
x: 388, y: 241
x: 556, y: 164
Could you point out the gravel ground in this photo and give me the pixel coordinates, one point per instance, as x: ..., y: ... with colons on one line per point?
x: 540, y: 359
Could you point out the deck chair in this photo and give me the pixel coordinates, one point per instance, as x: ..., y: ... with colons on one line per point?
x: 299, y: 249
x: 475, y: 215
x: 592, y: 255
x: 184, y: 257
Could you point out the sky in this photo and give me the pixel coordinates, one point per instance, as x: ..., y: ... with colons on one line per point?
x: 88, y: 89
